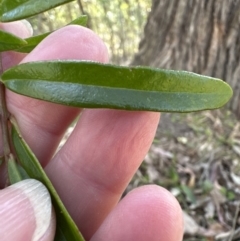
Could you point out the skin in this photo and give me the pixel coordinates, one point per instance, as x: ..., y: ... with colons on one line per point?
x: 99, y: 159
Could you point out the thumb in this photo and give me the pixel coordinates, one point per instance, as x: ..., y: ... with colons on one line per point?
x: 26, y: 212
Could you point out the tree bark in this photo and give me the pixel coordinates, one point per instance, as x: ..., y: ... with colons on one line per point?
x: 202, y: 36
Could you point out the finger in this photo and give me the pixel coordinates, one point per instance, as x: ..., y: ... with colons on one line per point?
x: 26, y: 212
x: 147, y: 213
x: 93, y: 168
x: 43, y: 124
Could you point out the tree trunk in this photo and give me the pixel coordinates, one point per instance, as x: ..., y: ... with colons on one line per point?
x: 202, y: 36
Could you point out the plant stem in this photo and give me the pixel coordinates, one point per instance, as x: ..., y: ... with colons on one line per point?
x: 4, y: 115
x: 1, y: 160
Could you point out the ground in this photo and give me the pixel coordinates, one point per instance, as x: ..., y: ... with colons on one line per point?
x: 197, y: 157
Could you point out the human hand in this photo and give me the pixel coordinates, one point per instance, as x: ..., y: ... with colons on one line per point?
x: 95, y: 165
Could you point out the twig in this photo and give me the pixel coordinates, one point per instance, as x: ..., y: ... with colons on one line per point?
x: 234, y: 222
x: 4, y: 115
x: 81, y: 6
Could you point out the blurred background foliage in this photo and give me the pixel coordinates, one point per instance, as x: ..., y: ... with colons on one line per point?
x: 119, y: 23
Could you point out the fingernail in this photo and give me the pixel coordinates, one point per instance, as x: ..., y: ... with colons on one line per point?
x: 25, y: 209
x: 28, y: 25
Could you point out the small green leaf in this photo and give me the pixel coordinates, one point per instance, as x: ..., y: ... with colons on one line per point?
x: 9, y: 41
x: 32, y: 42
x: 66, y: 228
x: 82, y: 21
x: 189, y: 193
x: 95, y: 85
x: 12, y: 10
x: 22, y: 172
x: 13, y: 172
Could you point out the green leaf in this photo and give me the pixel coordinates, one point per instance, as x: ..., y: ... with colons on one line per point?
x: 66, y: 228
x: 95, y: 85
x: 13, y: 172
x: 12, y: 10
x: 82, y: 20
x: 9, y: 41
x: 189, y: 193
x: 22, y: 172
x: 32, y: 42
